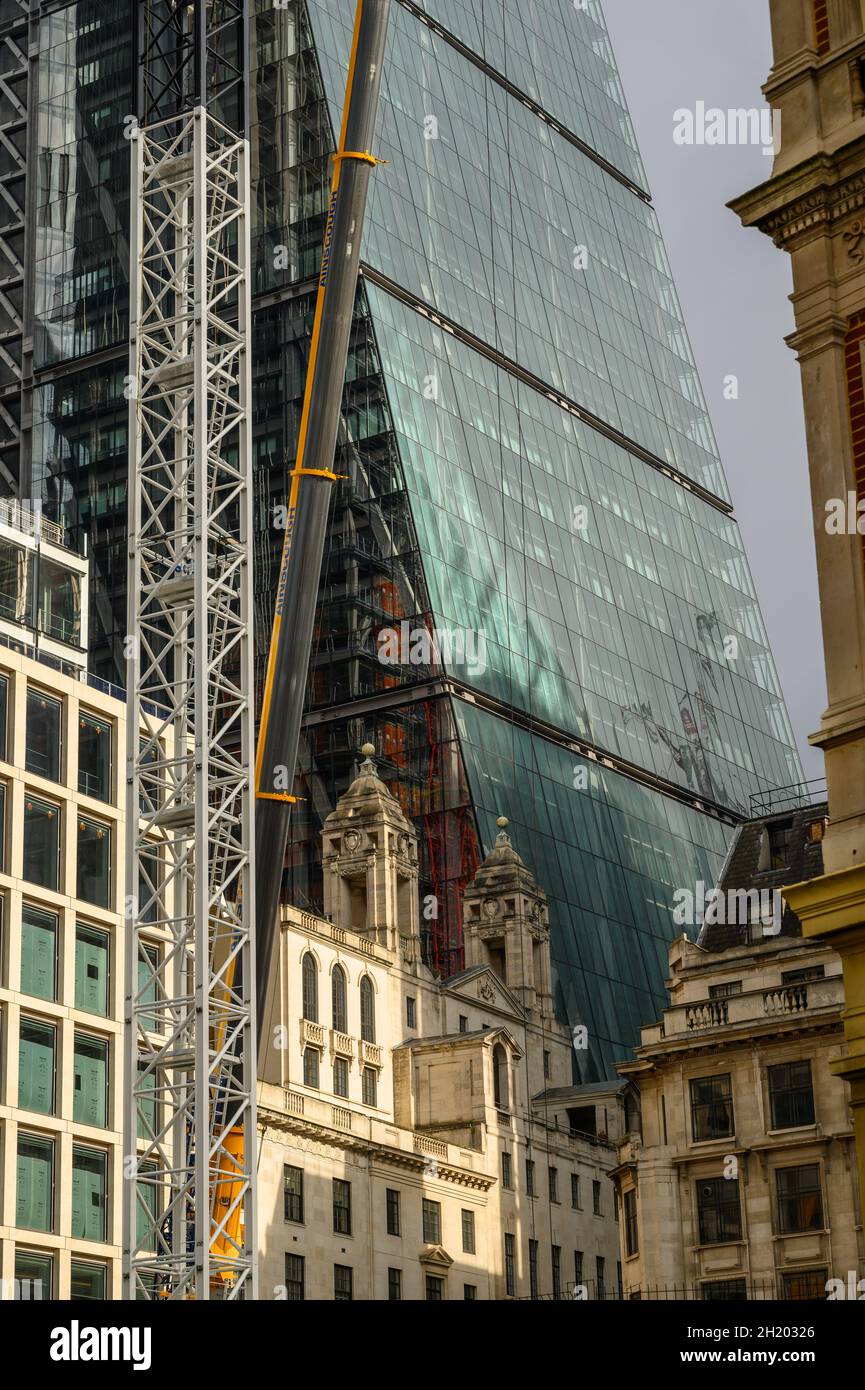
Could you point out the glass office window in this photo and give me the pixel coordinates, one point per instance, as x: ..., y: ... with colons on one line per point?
x: 42, y: 744
x: 35, y: 1179
x: 89, y: 1193
x: 37, y: 1043
x: 94, y: 862
x: 91, y: 969
x: 90, y: 1093
x: 791, y: 1095
x: 38, y: 952
x: 33, y: 1275
x: 146, y: 1126
x: 60, y: 601
x: 2, y: 826
x: 41, y: 843
x: 148, y: 983
x: 94, y: 757
x: 89, y: 1282
x: 146, y: 1202
x: 4, y: 708
x: 711, y: 1108
x: 149, y: 885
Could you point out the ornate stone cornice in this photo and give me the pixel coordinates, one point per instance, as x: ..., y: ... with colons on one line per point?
x: 815, y: 196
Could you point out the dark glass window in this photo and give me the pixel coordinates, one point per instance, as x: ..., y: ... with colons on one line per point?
x: 546, y: 1066
x: 510, y: 1265
x: 470, y: 1293
x: 60, y: 601
x: 632, y: 1240
x: 310, y: 1067
x: 149, y: 885
x: 292, y: 1187
x: 149, y: 987
x: 507, y: 1180
x: 38, y: 952
x: 90, y: 1093
x: 601, y: 1276
x: 94, y: 862
x: 804, y: 1284
x: 340, y: 1076
x: 89, y: 1194
x: 791, y: 1095
x: 553, y: 1175
x: 464, y: 1023
x: 34, y: 1276
x: 530, y: 1176
x: 295, y: 1280
x: 410, y: 1012
x: 44, y: 721
x: 578, y: 1266
x: 557, y: 1270
x: 394, y: 1285
x: 4, y: 707
x: 94, y: 757
x: 596, y: 1198
x: 367, y: 1010
x: 37, y: 1043
x: 369, y: 1085
x: 724, y: 1291
x: 432, y: 1222
x: 800, y: 1200
x: 91, y: 969
x: 392, y: 1200
x: 718, y: 1209
x: 779, y: 843
x: 468, y: 1225
x: 435, y: 1289
x: 575, y: 1191
x: 148, y: 1109
x: 310, y: 988
x: 339, y: 1000
x: 533, y: 1268
x: 341, y: 1207
x: 89, y: 1282
x: 343, y: 1291
x: 500, y: 1077
x: 41, y: 843
x: 711, y: 1108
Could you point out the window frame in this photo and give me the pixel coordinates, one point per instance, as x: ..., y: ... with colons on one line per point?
x: 715, y: 1208
x: 798, y: 1199
x: 292, y: 1201
x: 392, y: 1210
x: 341, y: 1194
x: 791, y: 1095
x: 431, y: 1221
x: 704, y: 1112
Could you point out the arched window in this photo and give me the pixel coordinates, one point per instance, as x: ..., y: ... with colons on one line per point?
x: 500, y: 1077
x: 367, y: 1010
x: 310, y: 989
x: 340, y: 1007
x: 310, y: 1067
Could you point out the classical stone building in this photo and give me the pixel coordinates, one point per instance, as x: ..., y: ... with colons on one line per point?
x: 812, y: 207
x: 738, y: 1180
x: 421, y: 1138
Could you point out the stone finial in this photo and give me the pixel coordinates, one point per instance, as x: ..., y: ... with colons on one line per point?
x: 368, y: 766
x: 503, y: 838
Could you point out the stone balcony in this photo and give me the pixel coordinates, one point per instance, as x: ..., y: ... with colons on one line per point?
x: 774, y: 1001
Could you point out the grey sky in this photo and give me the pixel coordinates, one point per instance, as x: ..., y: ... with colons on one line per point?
x: 734, y: 288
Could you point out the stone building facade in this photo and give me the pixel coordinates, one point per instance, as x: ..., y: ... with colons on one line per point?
x: 739, y: 1179
x: 420, y: 1138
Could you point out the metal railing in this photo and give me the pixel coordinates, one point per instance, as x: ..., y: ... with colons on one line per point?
x: 796, y: 797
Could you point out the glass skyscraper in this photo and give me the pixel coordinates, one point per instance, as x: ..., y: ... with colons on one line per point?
x: 528, y: 468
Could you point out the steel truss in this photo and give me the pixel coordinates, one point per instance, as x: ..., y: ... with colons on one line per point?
x: 189, y: 1229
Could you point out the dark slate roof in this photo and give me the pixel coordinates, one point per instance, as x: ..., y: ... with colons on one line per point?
x: 742, y: 871
x: 588, y: 1088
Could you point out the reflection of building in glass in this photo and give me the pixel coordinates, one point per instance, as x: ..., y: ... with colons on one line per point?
x: 526, y: 455
x: 43, y: 586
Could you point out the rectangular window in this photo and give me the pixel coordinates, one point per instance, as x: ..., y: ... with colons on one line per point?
x: 295, y: 1278
x: 35, y: 1178
x: 341, y: 1207
x: 38, y: 952
x: 394, y: 1285
x: 150, y: 886
x: 91, y: 970
x: 310, y: 1067
x: 392, y: 1199
x: 510, y: 1265
x: 470, y: 1293
x: 533, y: 1268
x: 292, y: 1188
x: 149, y: 962
x: 711, y: 1108
x: 553, y: 1174
x: 724, y: 1291
x: 601, y: 1276
x: 343, y: 1284
x: 89, y: 1193
x: 718, y: 1209
x: 147, y: 1126
x: 432, y: 1222
x: 94, y: 862
x: 530, y: 1176
x: 557, y: 1271
x: 89, y: 1282
x: 575, y: 1192
x: 147, y: 1203
x: 464, y: 1023
x: 507, y: 1179
x: 546, y: 1066
x: 41, y: 843
x: 4, y: 704
x: 34, y: 1276
x: 791, y: 1095
x: 632, y: 1242
x: 410, y: 1012
x: 468, y: 1223
x: 435, y: 1289
x: 804, y: 1284
x: 37, y: 1044
x: 90, y: 1094
x: 725, y: 991
x: 800, y: 1201
x: 369, y: 1086
x: 42, y: 748
x: 578, y: 1267
x: 340, y: 1076
x: 94, y: 757
x: 596, y: 1198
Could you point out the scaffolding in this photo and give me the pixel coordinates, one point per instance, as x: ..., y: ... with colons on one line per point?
x: 189, y: 1229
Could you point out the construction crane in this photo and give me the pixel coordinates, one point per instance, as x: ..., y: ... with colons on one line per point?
x: 191, y: 1031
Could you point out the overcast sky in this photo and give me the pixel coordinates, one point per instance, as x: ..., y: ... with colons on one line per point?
x: 734, y: 287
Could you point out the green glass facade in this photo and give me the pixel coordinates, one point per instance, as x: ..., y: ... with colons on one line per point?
x: 526, y: 454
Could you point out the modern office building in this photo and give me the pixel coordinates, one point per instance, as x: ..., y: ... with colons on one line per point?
x: 534, y: 598
x: 61, y: 931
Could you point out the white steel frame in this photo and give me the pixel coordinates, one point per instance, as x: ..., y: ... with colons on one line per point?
x: 190, y: 990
